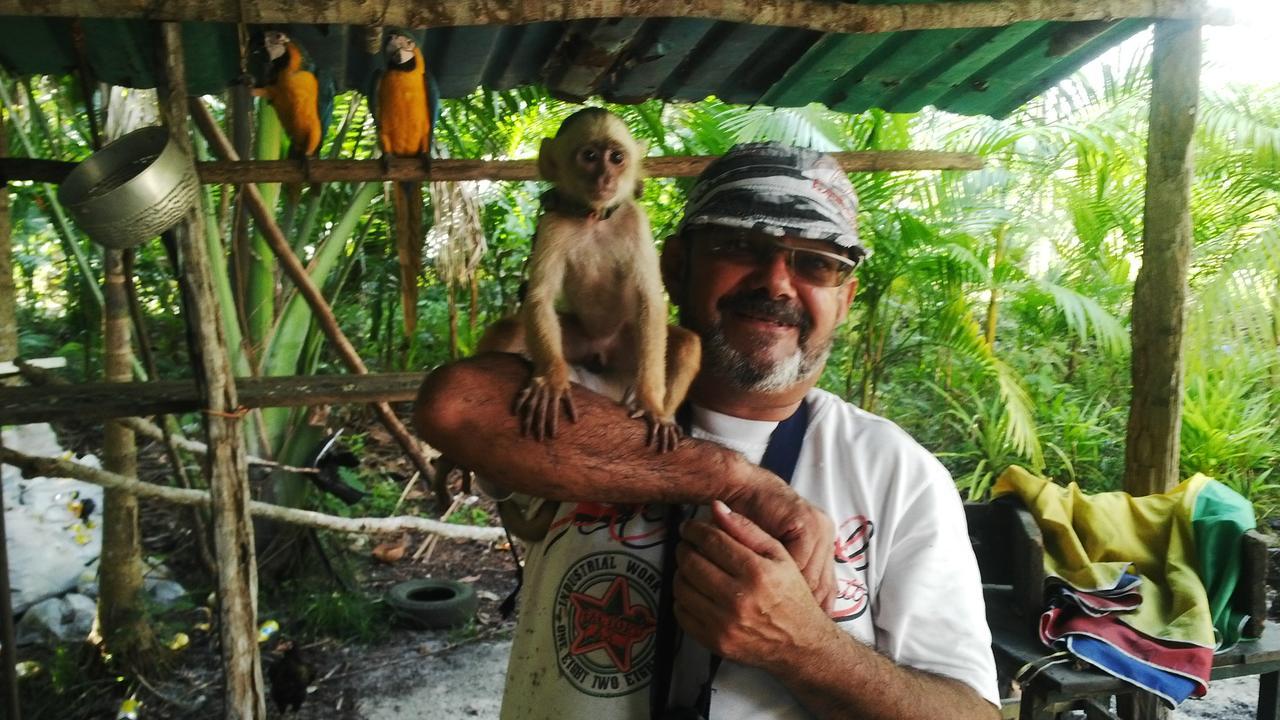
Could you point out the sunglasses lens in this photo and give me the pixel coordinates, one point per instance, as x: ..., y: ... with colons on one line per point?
x: 814, y: 267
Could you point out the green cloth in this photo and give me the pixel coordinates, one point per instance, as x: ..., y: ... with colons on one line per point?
x: 1222, y: 516
x: 1090, y: 540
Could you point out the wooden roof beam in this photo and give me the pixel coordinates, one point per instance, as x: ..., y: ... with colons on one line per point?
x: 819, y: 15
x: 404, y: 169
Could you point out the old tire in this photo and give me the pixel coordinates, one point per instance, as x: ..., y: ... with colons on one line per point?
x: 432, y: 604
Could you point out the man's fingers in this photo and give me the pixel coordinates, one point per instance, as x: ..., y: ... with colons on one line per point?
x: 740, y: 528
x: 717, y: 546
x: 699, y: 572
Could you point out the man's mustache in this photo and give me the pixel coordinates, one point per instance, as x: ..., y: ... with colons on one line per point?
x: 759, y: 305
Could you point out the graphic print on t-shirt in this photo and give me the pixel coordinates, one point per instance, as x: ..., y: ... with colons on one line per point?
x: 604, y: 623
x: 852, y: 595
x: 633, y: 526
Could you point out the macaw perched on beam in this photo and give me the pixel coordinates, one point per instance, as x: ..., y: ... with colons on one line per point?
x: 303, y: 105
x: 294, y: 92
x: 406, y: 105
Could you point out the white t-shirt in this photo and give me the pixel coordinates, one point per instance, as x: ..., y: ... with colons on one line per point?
x: 907, y: 581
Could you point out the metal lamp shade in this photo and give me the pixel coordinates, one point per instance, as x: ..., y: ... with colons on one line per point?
x: 131, y: 190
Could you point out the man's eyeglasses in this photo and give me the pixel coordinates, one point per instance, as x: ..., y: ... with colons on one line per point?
x: 814, y: 267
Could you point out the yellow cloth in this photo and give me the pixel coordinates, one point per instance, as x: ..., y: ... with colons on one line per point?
x: 1089, y: 540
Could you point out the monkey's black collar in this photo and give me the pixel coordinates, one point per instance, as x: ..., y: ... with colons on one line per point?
x: 553, y: 201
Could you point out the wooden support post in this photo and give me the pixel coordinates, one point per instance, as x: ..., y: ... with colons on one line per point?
x: 1160, y: 292
x: 8, y: 351
x: 225, y: 466
x: 315, y: 300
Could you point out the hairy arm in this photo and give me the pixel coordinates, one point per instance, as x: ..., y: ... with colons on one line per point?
x: 738, y: 594
x: 463, y: 410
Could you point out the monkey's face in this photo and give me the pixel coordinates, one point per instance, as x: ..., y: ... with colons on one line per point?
x: 602, y: 171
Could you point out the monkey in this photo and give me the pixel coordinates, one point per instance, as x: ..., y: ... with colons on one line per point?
x: 593, y: 252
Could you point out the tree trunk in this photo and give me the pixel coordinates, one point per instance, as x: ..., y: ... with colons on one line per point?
x: 121, y: 604
x: 225, y: 466
x: 1159, y: 294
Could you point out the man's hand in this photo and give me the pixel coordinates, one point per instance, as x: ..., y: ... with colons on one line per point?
x: 740, y: 594
x: 805, y: 531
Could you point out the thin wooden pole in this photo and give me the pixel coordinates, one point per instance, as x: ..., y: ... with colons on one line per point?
x: 315, y: 300
x: 225, y: 465
x: 819, y: 15
x: 1160, y: 291
x: 452, y: 169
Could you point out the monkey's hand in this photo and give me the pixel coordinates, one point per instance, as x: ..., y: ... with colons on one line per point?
x: 538, y: 404
x: 664, y: 432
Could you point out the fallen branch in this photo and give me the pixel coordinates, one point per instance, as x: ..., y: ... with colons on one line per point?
x: 149, y: 429
x: 35, y: 466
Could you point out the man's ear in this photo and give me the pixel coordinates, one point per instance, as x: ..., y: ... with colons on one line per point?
x: 673, y: 268
x: 547, y: 160
x: 847, y: 293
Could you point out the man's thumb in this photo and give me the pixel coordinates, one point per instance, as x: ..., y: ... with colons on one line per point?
x: 742, y: 529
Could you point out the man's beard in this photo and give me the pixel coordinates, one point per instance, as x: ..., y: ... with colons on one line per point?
x: 751, y: 375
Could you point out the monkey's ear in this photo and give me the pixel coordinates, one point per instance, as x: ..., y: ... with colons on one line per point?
x: 547, y: 160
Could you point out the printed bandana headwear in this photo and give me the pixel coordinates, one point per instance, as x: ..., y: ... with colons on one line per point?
x: 778, y: 190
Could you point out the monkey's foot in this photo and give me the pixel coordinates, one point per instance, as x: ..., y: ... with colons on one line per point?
x: 425, y: 158
x: 538, y: 406
x: 306, y: 168
x: 444, y: 469
x: 664, y: 434
x: 385, y: 159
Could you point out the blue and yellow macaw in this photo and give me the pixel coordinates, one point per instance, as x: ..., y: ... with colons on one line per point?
x: 406, y: 105
x: 303, y: 104
x: 294, y: 92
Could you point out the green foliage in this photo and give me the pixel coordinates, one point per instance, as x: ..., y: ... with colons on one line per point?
x: 344, y: 615
x: 991, y: 321
x: 473, y: 515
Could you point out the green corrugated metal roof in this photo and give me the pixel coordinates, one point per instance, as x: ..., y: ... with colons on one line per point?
x: 974, y: 72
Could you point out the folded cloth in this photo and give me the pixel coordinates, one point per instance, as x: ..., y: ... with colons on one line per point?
x: 1095, y: 547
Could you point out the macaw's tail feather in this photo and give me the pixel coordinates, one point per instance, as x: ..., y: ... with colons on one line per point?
x: 407, y: 199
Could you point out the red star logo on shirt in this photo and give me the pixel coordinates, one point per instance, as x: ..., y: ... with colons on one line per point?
x: 610, y: 623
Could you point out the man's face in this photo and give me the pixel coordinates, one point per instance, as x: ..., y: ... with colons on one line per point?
x: 765, y: 325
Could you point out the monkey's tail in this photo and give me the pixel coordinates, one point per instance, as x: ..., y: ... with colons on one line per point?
x: 407, y: 200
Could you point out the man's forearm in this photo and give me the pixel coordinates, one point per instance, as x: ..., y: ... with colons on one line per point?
x: 464, y: 410
x: 840, y: 678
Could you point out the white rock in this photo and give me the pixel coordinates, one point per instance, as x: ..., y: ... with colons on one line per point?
x: 164, y: 593
x: 84, y: 610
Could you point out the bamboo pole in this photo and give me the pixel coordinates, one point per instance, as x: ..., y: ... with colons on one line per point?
x: 302, y: 281
x: 225, y: 467
x: 36, y: 466
x: 818, y: 15
x: 451, y: 169
x: 1160, y: 291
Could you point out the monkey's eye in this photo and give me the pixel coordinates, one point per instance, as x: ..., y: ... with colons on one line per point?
x: 590, y: 155
x: 616, y: 157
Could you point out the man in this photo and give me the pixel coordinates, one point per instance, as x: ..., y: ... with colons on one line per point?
x: 761, y: 267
